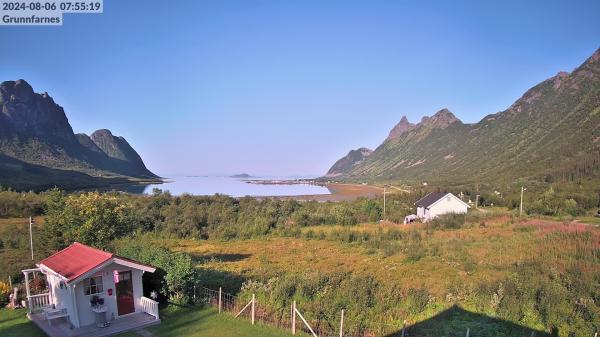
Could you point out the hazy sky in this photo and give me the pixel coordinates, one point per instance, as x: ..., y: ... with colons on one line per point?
x: 287, y: 87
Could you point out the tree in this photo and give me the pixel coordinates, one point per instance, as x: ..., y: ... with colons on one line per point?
x: 91, y: 218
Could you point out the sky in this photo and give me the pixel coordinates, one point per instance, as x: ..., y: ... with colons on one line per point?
x: 285, y: 88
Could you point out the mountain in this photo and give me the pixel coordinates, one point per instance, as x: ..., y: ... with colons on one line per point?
x: 347, y: 163
x: 36, y: 139
x: 401, y: 128
x: 551, y: 132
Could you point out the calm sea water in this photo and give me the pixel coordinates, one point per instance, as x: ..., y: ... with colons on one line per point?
x: 234, y: 187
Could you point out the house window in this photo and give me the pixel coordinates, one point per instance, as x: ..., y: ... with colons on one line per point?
x: 92, y: 285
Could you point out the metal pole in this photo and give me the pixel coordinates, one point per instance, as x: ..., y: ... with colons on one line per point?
x: 31, y: 236
x: 342, y: 324
x: 521, y: 206
x: 467, y: 332
x: 253, y: 300
x: 403, y: 327
x: 10, y: 282
x: 294, y: 318
x: 220, y: 303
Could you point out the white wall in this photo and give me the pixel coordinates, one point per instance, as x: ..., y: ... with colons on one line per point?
x: 421, y: 212
x: 62, y: 298
x: 448, y: 204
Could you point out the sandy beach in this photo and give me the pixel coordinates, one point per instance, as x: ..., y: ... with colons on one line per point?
x: 341, y: 192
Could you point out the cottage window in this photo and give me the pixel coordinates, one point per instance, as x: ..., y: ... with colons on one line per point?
x: 92, y: 285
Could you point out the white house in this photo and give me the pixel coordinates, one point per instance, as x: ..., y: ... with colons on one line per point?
x: 436, y: 204
x: 78, y: 274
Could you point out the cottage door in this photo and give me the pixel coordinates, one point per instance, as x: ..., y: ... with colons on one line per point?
x: 124, y: 292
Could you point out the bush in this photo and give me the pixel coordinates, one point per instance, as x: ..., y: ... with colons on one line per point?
x: 175, y: 275
x: 451, y: 221
x: 417, y: 300
x: 4, y: 293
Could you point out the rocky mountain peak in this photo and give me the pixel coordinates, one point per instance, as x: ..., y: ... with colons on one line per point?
x: 35, y: 130
x: 25, y: 114
x: 401, y: 128
x: 441, y: 119
x: 101, y: 133
x: 365, y: 151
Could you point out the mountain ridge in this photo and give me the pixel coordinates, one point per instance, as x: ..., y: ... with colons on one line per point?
x: 553, y: 125
x: 35, y: 130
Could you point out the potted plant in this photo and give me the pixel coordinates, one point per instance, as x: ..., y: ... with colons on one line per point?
x: 96, y: 301
x: 99, y: 309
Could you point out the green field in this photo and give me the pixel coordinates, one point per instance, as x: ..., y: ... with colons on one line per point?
x: 180, y: 321
x: 14, y: 323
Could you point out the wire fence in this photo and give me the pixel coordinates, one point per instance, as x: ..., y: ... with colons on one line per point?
x: 283, y: 317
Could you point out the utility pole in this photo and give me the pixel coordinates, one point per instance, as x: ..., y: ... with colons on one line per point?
x: 383, y: 202
x: 31, y: 222
x: 521, y: 206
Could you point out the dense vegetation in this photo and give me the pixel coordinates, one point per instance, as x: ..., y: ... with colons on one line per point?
x: 554, y: 289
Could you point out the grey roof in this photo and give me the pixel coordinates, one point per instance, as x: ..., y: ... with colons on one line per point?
x: 430, y: 199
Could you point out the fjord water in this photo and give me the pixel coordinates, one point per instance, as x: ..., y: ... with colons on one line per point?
x: 235, y: 187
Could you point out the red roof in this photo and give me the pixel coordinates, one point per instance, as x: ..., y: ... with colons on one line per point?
x: 76, y: 260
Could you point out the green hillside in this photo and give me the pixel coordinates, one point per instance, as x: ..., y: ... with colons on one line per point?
x: 552, y: 132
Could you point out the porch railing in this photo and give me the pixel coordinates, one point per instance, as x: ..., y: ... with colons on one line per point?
x: 38, y: 301
x: 150, y: 307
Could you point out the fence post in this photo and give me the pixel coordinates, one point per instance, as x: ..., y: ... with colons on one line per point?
x: 294, y: 318
x: 220, y: 303
x: 467, y: 332
x: 253, y: 301
x: 342, y: 324
x: 10, y: 282
x: 403, y: 326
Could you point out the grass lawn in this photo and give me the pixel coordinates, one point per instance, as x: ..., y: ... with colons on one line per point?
x: 176, y: 321
x: 14, y: 323
x: 180, y: 321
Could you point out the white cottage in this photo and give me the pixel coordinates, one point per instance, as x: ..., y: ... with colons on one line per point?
x: 436, y: 204
x: 79, y: 274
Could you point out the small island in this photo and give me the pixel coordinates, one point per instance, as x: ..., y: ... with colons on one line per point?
x: 241, y: 175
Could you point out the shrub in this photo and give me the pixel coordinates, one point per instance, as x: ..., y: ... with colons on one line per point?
x: 451, y: 221
x: 4, y: 293
x: 175, y: 275
x: 417, y: 300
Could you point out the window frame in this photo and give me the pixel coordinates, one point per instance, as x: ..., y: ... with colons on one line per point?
x: 98, y: 285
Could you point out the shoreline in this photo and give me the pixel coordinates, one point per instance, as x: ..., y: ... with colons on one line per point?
x: 337, y: 192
